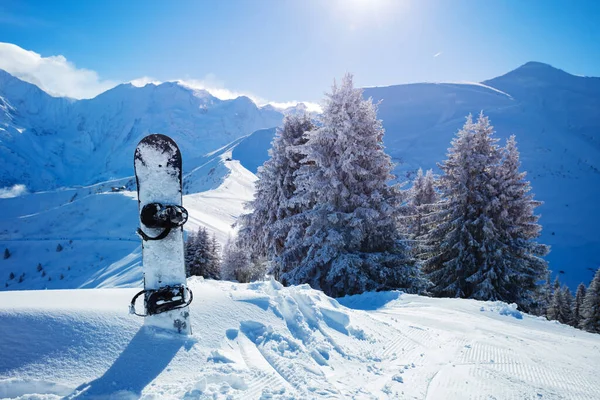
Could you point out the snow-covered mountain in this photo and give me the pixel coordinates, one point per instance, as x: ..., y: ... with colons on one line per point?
x: 49, y: 142
x: 262, y: 341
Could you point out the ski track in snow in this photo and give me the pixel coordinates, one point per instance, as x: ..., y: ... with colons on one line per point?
x: 263, y: 341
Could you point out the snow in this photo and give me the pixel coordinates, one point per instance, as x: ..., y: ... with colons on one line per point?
x: 96, y: 228
x: 261, y: 340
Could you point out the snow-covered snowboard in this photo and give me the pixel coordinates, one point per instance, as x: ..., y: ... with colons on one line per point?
x: 157, y: 164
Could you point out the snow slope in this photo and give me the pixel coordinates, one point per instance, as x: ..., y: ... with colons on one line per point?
x: 96, y: 227
x: 263, y: 341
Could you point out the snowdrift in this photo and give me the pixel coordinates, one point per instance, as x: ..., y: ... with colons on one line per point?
x: 263, y: 341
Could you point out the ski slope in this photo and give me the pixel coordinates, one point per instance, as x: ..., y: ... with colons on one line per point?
x: 262, y: 341
x: 95, y: 227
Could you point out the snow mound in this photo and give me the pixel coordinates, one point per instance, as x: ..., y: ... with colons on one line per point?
x: 264, y: 341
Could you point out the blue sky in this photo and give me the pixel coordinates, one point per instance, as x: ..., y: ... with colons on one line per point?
x: 284, y: 50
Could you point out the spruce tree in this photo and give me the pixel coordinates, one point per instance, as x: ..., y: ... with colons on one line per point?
x: 348, y: 241
x: 556, y: 307
x: 463, y: 241
x: 577, y: 309
x: 569, y: 305
x: 590, y: 311
x: 265, y: 229
x: 189, y: 253
x: 213, y: 266
x: 422, y: 196
x: 201, y: 255
x: 236, y: 264
x: 6, y: 253
x: 481, y: 244
x: 521, y: 256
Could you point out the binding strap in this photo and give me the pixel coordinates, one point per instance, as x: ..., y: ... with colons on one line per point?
x: 161, y: 300
x: 144, y: 236
x: 156, y: 215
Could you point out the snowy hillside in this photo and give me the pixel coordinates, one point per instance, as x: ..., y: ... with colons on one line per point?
x: 263, y: 341
x: 49, y: 142
x: 95, y: 228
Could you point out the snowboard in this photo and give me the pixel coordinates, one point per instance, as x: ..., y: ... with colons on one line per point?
x: 157, y: 163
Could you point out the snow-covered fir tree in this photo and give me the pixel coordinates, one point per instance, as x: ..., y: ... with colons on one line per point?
x: 481, y: 243
x: 422, y: 197
x: 569, y: 302
x: 556, y: 308
x: 202, y: 255
x: 577, y: 308
x: 542, y: 297
x: 265, y: 229
x: 349, y: 241
x: 518, y: 227
x: 590, y: 311
x: 462, y: 242
x: 236, y: 264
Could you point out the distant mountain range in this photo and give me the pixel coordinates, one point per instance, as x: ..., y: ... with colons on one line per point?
x: 48, y: 142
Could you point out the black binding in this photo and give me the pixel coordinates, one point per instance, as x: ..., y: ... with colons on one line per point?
x: 156, y: 215
x: 161, y: 300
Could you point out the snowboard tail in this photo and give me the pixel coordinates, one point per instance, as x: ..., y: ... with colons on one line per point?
x: 158, y: 172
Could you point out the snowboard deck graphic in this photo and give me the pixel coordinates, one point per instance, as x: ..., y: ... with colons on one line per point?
x: 157, y: 163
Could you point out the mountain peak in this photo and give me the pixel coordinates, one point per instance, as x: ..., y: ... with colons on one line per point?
x: 536, y: 75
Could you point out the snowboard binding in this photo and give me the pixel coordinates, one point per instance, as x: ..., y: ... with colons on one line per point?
x: 167, y: 217
x: 161, y: 300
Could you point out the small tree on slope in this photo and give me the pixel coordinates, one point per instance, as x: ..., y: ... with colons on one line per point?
x: 201, y: 255
x: 579, y: 297
x: 590, y: 311
x: 236, y: 264
x: 569, y: 302
x: 351, y: 242
x: 265, y: 229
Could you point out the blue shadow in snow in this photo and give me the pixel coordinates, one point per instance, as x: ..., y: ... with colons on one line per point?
x: 144, y: 358
x: 369, y: 301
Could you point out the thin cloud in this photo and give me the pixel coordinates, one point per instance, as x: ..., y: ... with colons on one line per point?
x: 59, y: 77
x: 436, y: 55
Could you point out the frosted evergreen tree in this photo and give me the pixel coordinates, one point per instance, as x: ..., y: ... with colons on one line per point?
x: 214, y: 260
x: 236, y: 264
x: 349, y: 241
x: 561, y: 306
x: 521, y: 256
x: 482, y: 240
x: 463, y: 243
x: 555, y: 311
x: 189, y: 253
x: 422, y: 197
x: 201, y: 255
x: 542, y: 297
x: 265, y: 229
x: 577, y: 308
x: 556, y: 284
x: 569, y: 304
x: 590, y: 311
